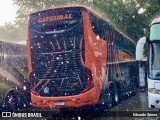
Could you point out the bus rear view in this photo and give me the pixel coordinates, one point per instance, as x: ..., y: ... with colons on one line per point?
x: 56, y: 51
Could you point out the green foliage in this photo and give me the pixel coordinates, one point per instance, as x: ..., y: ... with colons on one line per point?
x: 22, y: 72
x: 125, y: 14
x: 9, y: 32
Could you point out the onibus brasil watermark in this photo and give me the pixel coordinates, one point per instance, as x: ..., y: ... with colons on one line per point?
x: 22, y: 115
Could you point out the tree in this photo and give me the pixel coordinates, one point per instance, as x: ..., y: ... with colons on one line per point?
x: 131, y: 16
x: 123, y: 14
x: 8, y: 32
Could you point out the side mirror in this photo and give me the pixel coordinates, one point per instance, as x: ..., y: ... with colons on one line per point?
x: 140, y: 48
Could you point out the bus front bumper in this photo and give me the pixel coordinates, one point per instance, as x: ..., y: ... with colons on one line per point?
x: 83, y: 99
x: 154, y: 100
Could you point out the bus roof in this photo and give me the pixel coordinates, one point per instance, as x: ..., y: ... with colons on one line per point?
x: 156, y: 20
x: 60, y: 8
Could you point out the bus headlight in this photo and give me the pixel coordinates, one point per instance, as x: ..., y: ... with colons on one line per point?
x: 154, y: 91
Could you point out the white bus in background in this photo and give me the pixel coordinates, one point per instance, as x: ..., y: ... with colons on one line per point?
x: 153, y: 62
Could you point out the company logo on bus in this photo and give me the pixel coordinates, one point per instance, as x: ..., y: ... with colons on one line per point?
x: 54, y: 18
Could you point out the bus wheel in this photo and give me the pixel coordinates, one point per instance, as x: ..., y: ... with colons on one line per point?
x: 11, y: 100
x: 110, y: 104
x: 114, y: 96
x: 111, y: 98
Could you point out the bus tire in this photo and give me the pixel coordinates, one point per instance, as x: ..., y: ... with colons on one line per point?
x: 110, y: 104
x: 11, y: 101
x: 111, y: 97
x: 114, y: 96
x: 102, y: 101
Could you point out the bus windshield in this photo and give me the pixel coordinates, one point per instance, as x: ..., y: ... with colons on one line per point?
x: 155, y: 35
x: 48, y: 33
x: 154, y: 61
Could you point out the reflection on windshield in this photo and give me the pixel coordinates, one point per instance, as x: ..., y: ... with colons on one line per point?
x: 155, y: 29
x: 154, y: 65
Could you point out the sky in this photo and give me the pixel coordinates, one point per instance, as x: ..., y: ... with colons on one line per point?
x: 7, y: 11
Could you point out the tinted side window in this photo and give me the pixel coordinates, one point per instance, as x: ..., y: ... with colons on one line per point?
x: 98, y: 26
x: 124, y: 44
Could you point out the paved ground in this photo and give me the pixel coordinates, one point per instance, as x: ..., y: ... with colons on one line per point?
x: 136, y: 103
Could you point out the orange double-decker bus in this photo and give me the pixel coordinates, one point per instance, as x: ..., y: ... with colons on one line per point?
x: 76, y: 59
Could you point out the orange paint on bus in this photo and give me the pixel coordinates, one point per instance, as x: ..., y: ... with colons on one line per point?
x: 95, y: 60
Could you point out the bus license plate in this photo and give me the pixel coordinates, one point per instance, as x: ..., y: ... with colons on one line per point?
x: 59, y: 103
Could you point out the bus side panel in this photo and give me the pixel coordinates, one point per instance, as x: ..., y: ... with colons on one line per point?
x: 95, y: 54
